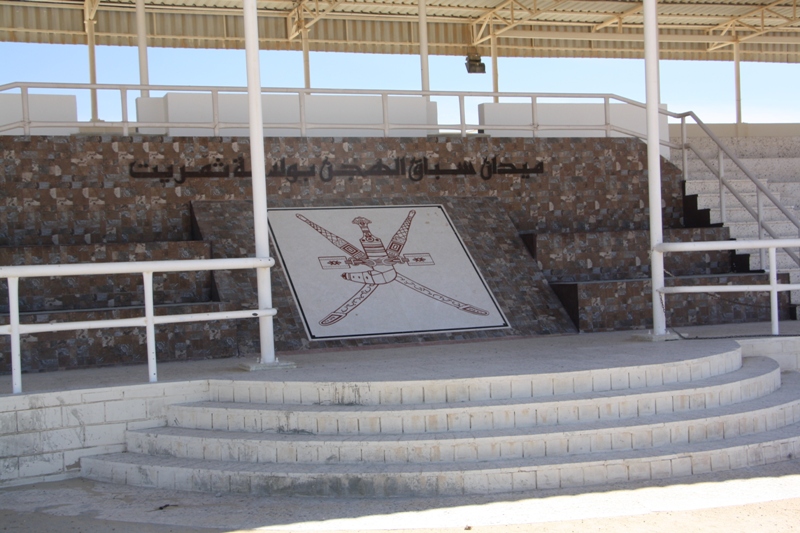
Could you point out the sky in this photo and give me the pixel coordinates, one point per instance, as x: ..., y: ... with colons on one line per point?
x: 769, y: 90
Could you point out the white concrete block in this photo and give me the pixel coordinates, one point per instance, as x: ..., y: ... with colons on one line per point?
x: 548, y: 477
x: 523, y: 481
x: 661, y: 436
x: 435, y: 393
x: 601, y: 380
x: 595, y: 475
x: 681, y: 466
x: 578, y: 444
x: 501, y: 390
x: 641, y: 438
x: 621, y: 440
x: 617, y: 472
x: 546, y: 415
x: 582, y: 382
x: 480, y: 390
x: 126, y: 410
x: 601, y: 442
x: 391, y: 424
x: 457, y: 392
x: 61, y: 439
x: 41, y: 464
x: 389, y: 395
x: 639, y: 471
x: 619, y: 379
x: 567, y: 414
x: 661, y: 469
x: 458, y: 421
x: 521, y: 388
x: 669, y: 374
x: 654, y: 376
x: 481, y: 421
x: 720, y: 461
x: 701, y: 463
x: 105, y: 434
x: 39, y: 419
x: 524, y: 417
x: 663, y: 404
x: 637, y: 377
x: 556, y: 446
x: 533, y: 448
x: 646, y: 406
x: 412, y: 394
x: 563, y: 384
x: 541, y: 385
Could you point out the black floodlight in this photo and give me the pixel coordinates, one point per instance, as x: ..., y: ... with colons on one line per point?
x: 474, y: 64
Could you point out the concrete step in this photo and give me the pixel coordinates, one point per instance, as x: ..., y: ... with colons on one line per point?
x: 756, y: 378
x: 743, y: 147
x: 735, y: 212
x: 598, y: 435
x: 749, y: 230
x: 441, y: 479
x: 763, y: 169
x: 460, y: 390
x: 710, y: 185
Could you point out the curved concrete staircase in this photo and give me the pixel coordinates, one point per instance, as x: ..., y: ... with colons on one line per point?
x: 573, y: 426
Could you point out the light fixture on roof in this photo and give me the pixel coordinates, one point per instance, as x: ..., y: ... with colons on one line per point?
x: 474, y: 63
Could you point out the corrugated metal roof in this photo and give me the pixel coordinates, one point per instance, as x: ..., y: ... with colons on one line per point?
x: 700, y: 29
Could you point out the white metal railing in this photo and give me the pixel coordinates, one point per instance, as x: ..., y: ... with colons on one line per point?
x: 762, y: 191
x: 148, y: 321
x: 126, y: 124
x: 773, y: 287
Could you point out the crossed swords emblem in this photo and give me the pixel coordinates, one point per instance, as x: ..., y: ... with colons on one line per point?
x: 381, y: 261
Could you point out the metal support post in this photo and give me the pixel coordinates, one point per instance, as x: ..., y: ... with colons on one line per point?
x: 495, y: 74
x: 654, y: 162
x: 259, y: 177
x: 423, y: 45
x: 141, y: 42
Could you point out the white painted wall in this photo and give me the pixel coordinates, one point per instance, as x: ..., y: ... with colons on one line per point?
x: 43, y: 108
x: 321, y: 110
x: 550, y: 116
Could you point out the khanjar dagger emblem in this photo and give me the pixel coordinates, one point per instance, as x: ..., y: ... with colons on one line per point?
x: 381, y: 261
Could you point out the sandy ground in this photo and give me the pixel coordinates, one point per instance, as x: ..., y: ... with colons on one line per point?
x: 758, y: 499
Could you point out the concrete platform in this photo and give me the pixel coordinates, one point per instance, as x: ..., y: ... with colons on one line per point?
x: 741, y: 499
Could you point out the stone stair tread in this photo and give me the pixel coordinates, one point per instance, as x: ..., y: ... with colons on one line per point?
x: 751, y: 367
x: 787, y: 396
x: 791, y: 431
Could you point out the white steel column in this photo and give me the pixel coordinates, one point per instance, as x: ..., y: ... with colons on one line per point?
x: 653, y: 99
x: 259, y: 176
x: 306, y: 59
x: 495, y: 74
x: 738, y: 82
x: 423, y: 45
x: 89, y: 11
x: 141, y: 42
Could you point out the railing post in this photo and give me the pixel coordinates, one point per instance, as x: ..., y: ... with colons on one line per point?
x: 215, y: 111
x: 684, y: 152
x: 534, y: 125
x: 607, y: 112
x: 150, y: 328
x: 760, y: 212
x: 26, y: 111
x: 773, y: 290
x: 463, y: 114
x: 13, y: 312
x: 302, y: 113
x: 124, y: 95
x: 722, y: 200
x: 385, y: 105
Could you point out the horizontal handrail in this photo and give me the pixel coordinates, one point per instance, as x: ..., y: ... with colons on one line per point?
x: 146, y: 268
x: 606, y: 127
x: 773, y: 287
